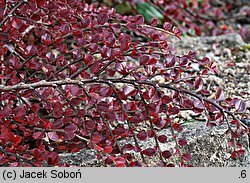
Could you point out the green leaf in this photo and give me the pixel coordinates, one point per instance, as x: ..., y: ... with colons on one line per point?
x: 148, y: 11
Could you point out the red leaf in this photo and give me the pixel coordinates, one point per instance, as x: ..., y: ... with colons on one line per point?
x: 70, y: 128
x: 53, y: 158
x: 182, y: 142
x: 220, y: 95
x: 102, y: 18
x: 162, y: 138
x: 90, y: 124
x: 98, y: 148
x: 234, y: 155
x: 75, y: 90
x: 166, y: 99
x: 127, y: 147
x: 153, y: 22
x: 241, y: 152
x: 124, y: 41
x: 129, y: 90
x: 85, y: 22
x: 53, y: 136
x: 139, y: 19
x: 69, y: 112
x: 108, y: 149
x: 198, y: 84
x: 170, y: 60
x: 166, y: 154
x: 120, y: 165
x: 69, y: 135
x: 144, y: 59
x: 167, y: 26
x: 13, y: 164
x: 142, y: 135
x: 5, y: 112
x: 96, y: 139
x: 131, y: 26
x: 15, y: 61
x: 57, y: 124
x: 106, y: 91
x: 240, y: 106
x: 88, y: 59
x: 173, y: 111
x: 46, y: 39
x: 151, y: 133
x: 38, y: 135
x: 31, y: 50
x: 152, y: 61
x: 198, y: 104
x: 17, y: 23
x: 103, y: 106
x: 95, y: 67
x: 149, y: 151
x: 186, y: 157
x: 65, y: 29
x: 177, y: 127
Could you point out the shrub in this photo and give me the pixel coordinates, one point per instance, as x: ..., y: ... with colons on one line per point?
x: 193, y: 17
x: 76, y: 76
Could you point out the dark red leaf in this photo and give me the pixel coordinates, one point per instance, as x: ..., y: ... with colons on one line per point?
x: 90, y: 124
x: 53, y: 136
x: 102, y: 18
x: 31, y: 50
x: 124, y: 41
x: 120, y: 165
x: 142, y: 135
x: 153, y: 22
x: 166, y: 154
x: 129, y: 90
x: 139, y: 19
x: 162, y: 138
x: 53, y: 158
x: 131, y: 26
x: 128, y: 147
x: 5, y: 112
x: 151, y: 133
x: 17, y: 23
x: 85, y: 22
x: 240, y: 106
x: 38, y: 135
x: 96, y: 139
x: 173, y: 110
x: 177, y: 127
x: 198, y: 84
x: 46, y: 39
x: 186, y: 157
x: 69, y: 135
x: 198, y: 104
x: 167, y: 26
x: 241, y: 152
x: 144, y: 59
x: 149, y: 151
x: 70, y: 128
x: 234, y: 155
x: 220, y: 95
x: 170, y: 60
x: 182, y: 142
x: 103, y: 106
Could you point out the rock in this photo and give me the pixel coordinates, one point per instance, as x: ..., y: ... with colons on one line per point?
x: 208, y: 147
x: 201, y: 44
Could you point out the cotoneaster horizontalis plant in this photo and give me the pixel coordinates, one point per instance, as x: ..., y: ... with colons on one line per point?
x: 75, y: 76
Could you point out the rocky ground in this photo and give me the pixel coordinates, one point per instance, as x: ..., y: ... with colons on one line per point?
x: 207, y: 146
